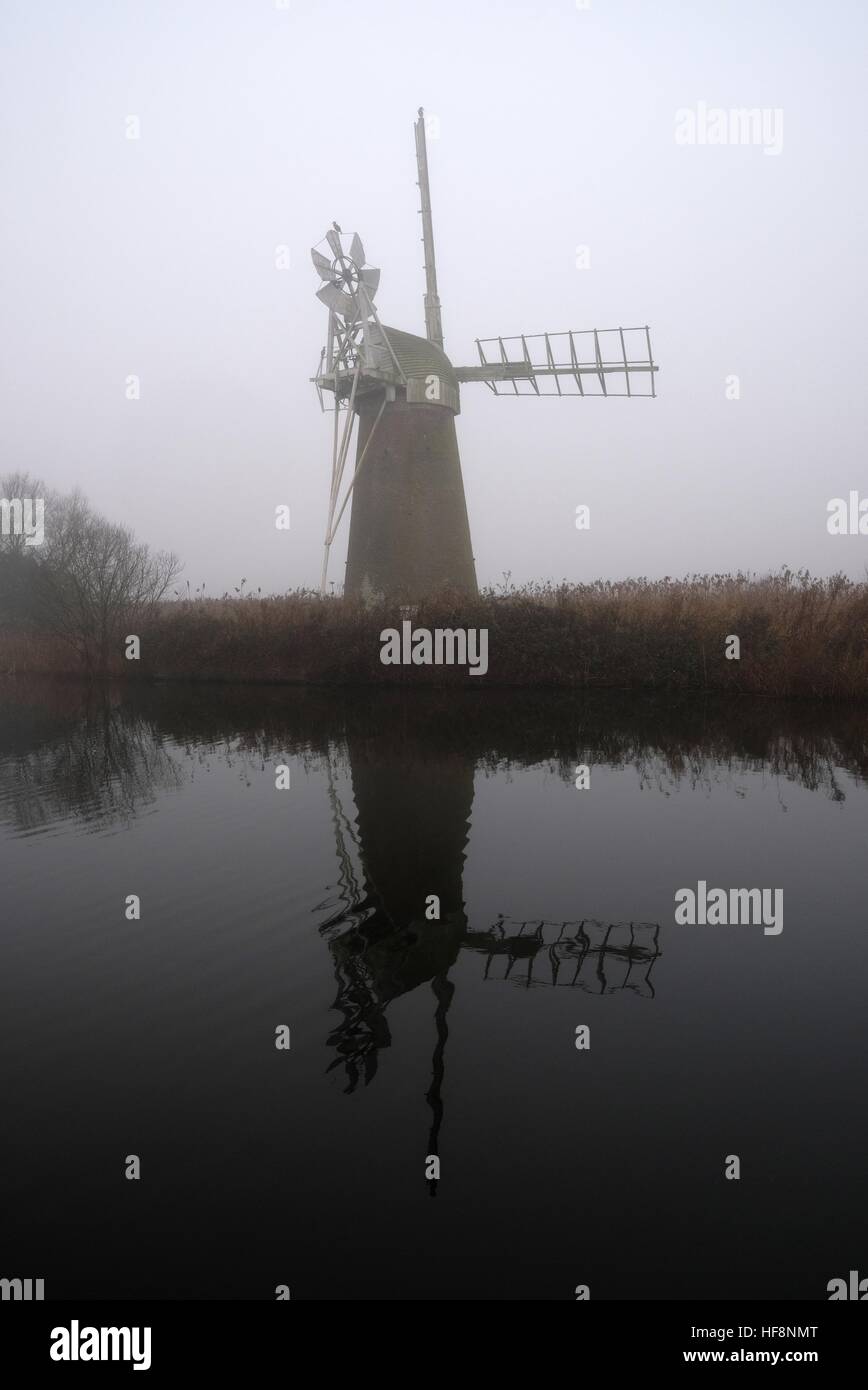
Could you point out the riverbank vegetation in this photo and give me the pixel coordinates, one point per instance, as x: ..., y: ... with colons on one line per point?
x: 796, y: 636
x: 73, y: 595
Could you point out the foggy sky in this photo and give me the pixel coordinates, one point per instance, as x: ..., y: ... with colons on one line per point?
x: 262, y: 124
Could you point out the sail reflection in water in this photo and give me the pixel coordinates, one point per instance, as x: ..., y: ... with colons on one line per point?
x: 598, y: 957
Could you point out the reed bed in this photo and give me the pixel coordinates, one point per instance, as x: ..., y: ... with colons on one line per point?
x: 798, y: 635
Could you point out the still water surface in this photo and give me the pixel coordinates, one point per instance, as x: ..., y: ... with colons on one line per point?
x: 412, y: 1037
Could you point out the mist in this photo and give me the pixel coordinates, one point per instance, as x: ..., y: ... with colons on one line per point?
x: 562, y: 199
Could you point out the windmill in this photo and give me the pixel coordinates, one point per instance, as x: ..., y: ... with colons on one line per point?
x: 409, y: 532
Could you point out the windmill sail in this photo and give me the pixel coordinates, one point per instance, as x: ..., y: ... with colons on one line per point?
x: 591, y: 362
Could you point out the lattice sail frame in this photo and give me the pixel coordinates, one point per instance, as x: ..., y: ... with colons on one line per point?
x: 597, y: 361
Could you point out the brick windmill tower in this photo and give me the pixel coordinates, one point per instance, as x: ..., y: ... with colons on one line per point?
x: 409, y: 532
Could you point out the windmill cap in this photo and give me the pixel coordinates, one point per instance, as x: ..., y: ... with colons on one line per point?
x: 419, y: 357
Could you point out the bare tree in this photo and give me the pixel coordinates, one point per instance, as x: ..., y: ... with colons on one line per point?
x: 95, y: 580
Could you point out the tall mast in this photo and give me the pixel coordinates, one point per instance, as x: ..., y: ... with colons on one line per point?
x: 433, y: 324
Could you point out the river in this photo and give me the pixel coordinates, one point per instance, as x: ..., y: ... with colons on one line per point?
x: 412, y: 891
